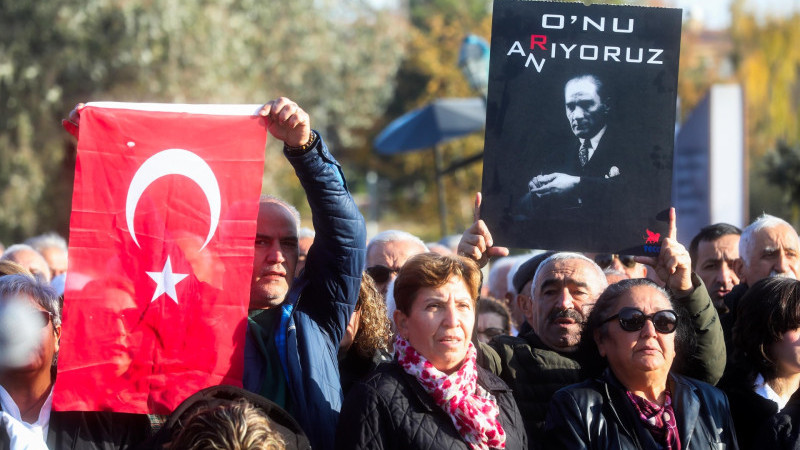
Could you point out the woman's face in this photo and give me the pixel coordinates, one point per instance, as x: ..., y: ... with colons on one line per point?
x: 786, y: 353
x: 439, y: 324
x: 635, y: 353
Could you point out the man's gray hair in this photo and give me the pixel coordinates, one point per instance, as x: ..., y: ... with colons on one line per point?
x: 305, y: 232
x: 47, y: 240
x: 566, y: 256
x: 394, y: 236
x: 748, y: 239
x: 16, y: 248
x: 268, y: 198
x: 18, y: 285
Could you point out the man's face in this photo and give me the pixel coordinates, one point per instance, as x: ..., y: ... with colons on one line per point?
x: 563, y: 296
x: 714, y: 265
x: 586, y: 111
x: 56, y: 260
x: 275, y: 256
x: 391, y: 255
x: 773, y: 253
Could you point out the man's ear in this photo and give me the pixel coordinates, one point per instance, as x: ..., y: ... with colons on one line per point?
x: 401, y: 322
x: 524, y: 305
x: 57, y: 332
x: 738, y: 268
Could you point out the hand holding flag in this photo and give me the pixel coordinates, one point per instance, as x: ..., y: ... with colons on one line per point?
x: 287, y: 121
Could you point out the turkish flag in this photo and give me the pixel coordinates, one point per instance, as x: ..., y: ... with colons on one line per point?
x: 160, y: 254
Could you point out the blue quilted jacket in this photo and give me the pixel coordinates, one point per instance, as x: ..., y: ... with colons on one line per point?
x: 320, y: 301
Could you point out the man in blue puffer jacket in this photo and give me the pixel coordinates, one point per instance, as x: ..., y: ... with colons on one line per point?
x: 295, y: 325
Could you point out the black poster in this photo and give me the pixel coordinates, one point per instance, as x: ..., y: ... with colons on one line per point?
x: 580, y: 126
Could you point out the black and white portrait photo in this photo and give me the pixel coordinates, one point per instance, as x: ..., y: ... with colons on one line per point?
x: 580, y: 126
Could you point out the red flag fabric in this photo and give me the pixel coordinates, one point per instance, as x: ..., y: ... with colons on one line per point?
x: 160, y: 254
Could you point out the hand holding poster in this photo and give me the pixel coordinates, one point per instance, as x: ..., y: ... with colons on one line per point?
x: 580, y: 125
x: 161, y: 251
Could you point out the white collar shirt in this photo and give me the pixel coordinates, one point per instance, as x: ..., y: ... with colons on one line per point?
x: 12, y: 417
x: 763, y: 389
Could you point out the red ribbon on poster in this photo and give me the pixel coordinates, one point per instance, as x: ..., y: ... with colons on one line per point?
x: 160, y: 254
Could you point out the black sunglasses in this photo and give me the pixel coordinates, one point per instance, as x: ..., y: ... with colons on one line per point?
x: 46, y: 316
x: 604, y: 260
x: 380, y: 273
x: 633, y: 319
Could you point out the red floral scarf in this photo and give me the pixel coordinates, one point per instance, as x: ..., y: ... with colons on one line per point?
x: 472, y: 409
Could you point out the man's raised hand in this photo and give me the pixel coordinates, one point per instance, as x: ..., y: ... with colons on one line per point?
x: 673, y: 264
x: 287, y: 121
x: 476, y: 242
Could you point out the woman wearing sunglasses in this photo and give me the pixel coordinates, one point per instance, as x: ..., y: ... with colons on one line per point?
x: 638, y: 402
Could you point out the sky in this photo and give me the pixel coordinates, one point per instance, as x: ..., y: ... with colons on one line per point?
x: 716, y: 13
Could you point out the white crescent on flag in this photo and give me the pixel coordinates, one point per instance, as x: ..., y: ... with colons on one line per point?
x: 174, y: 161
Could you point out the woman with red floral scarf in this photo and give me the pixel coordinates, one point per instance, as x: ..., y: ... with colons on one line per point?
x: 433, y: 395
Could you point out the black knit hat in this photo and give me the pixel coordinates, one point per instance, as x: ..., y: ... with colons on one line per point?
x: 527, y: 270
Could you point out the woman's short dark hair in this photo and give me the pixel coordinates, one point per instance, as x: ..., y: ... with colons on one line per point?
x: 431, y: 270
x: 606, y: 306
x: 770, y: 308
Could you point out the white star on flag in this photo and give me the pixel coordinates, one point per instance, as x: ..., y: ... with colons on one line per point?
x: 166, y: 281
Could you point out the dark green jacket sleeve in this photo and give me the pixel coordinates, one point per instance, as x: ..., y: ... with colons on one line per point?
x: 489, y: 359
x: 707, y: 361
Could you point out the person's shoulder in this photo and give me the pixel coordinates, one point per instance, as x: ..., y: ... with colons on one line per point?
x: 705, y: 390
x: 386, y: 375
x: 490, y: 381
x: 505, y: 344
x: 586, y: 392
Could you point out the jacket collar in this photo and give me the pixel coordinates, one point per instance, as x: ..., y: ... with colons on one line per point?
x: 686, y: 405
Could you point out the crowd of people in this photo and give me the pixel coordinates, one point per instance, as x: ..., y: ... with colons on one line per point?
x: 399, y: 344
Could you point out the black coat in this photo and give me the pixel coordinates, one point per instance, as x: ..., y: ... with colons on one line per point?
x: 92, y: 430
x: 597, y: 414
x: 749, y: 410
x: 613, y: 182
x: 782, y: 431
x: 391, y: 410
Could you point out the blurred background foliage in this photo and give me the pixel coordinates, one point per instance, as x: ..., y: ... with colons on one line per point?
x: 352, y: 65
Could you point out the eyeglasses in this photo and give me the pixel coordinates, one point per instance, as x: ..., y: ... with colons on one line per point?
x: 492, y: 332
x: 604, y: 260
x: 46, y: 316
x: 380, y: 273
x: 633, y: 319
